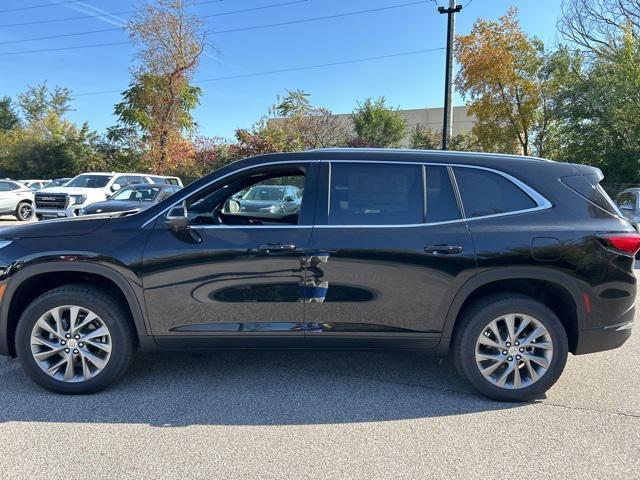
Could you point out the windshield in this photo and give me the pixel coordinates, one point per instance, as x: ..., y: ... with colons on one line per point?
x: 264, y: 193
x: 143, y: 194
x: 89, y: 181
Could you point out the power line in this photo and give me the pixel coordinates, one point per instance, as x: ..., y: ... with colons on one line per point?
x: 253, y: 9
x: 290, y: 69
x: 33, y: 39
x: 467, y: 4
x: 92, y: 15
x: 77, y: 47
x: 104, y: 30
x: 41, y: 5
x: 315, y: 19
x: 254, y: 27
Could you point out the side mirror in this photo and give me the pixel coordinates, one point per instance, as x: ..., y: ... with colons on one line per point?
x: 115, y: 187
x: 177, y: 217
x: 234, y: 206
x: 288, y: 199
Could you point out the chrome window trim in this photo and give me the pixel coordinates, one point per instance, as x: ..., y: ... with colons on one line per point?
x: 541, y: 202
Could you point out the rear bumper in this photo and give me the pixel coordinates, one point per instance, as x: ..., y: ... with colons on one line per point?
x: 606, y: 338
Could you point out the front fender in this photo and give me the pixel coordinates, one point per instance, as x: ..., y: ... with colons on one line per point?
x: 71, y: 263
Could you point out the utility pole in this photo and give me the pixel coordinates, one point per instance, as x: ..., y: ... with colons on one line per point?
x: 447, y: 127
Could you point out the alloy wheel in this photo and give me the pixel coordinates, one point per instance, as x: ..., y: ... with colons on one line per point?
x: 514, y: 351
x: 25, y: 211
x: 71, y: 343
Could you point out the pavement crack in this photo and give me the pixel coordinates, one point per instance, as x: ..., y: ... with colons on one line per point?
x: 591, y: 410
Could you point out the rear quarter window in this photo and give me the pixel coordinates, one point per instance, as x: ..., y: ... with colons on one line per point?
x: 487, y: 193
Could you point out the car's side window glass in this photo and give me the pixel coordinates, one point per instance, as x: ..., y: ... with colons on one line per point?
x: 375, y: 194
x: 254, y: 199
x: 487, y: 193
x: 442, y: 205
x: 626, y: 201
x: 5, y: 186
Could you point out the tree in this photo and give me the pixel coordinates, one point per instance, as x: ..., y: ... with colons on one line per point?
x: 599, y: 108
x: 307, y: 126
x: 49, y: 147
x: 377, y: 125
x: 160, y: 99
x: 8, y: 117
x: 38, y: 102
x: 598, y: 25
x: 503, y: 73
x: 292, y: 124
x: 427, y: 139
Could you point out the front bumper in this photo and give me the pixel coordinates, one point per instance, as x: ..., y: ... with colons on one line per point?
x: 606, y: 338
x: 71, y: 211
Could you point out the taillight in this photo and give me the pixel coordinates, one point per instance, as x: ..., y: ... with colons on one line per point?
x: 628, y: 243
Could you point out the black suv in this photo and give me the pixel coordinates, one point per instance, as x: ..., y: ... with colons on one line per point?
x: 510, y: 262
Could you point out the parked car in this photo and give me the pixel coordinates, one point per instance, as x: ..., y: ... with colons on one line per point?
x: 83, y: 190
x: 35, y: 184
x: 628, y: 202
x: 131, y: 198
x: 58, y: 182
x: 509, y: 262
x: 175, y: 181
x: 267, y: 199
x: 16, y: 199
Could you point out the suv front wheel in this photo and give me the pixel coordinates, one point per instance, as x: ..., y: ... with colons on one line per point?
x: 510, y: 347
x: 75, y: 339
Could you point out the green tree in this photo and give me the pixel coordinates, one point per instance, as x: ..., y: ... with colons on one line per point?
x: 48, y: 148
x: 39, y: 101
x: 599, y: 107
x: 8, y: 116
x: 377, y: 125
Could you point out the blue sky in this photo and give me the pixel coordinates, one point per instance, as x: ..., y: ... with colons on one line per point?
x: 411, y: 81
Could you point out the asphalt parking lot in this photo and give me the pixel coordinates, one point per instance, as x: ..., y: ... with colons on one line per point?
x: 338, y: 415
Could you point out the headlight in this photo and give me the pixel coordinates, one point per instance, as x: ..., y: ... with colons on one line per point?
x: 77, y: 199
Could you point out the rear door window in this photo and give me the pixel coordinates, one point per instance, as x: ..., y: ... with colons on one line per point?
x: 442, y: 205
x: 487, y: 193
x: 375, y: 194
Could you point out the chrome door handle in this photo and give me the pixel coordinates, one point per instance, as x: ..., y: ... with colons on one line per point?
x: 275, y: 248
x: 443, y: 250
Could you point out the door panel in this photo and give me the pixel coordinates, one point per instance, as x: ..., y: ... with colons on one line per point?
x: 381, y: 281
x: 217, y: 280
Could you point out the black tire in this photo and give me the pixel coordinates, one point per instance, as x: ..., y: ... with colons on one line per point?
x: 475, y: 320
x: 22, y: 209
x: 113, y: 315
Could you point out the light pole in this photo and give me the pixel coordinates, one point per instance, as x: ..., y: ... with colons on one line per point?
x: 447, y: 126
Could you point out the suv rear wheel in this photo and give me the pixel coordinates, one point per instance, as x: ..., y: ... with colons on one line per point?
x: 24, y: 211
x: 510, y: 347
x: 75, y: 339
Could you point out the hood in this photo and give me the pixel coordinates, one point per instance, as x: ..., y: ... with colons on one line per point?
x: 109, y: 206
x: 54, y: 228
x: 69, y: 190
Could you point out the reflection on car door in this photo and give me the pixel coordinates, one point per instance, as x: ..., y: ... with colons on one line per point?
x: 380, y: 268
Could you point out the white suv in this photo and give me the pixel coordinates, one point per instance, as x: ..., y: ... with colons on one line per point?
x: 87, y: 188
x: 16, y: 199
